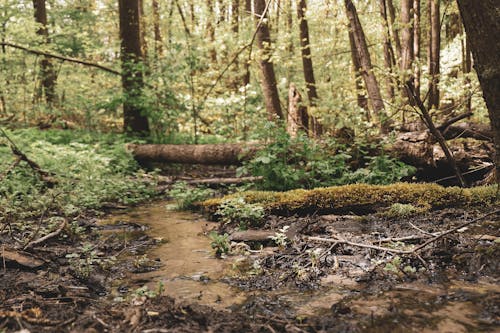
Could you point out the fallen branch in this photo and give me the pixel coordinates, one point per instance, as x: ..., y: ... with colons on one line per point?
x: 463, y: 225
x: 59, y: 57
x: 435, y: 132
x: 48, y: 236
x: 338, y: 240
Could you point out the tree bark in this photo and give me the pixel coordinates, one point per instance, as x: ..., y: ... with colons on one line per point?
x: 371, y: 83
x: 134, y: 119
x: 156, y: 29
x: 407, y: 54
x: 434, y: 53
x: 482, y: 26
x: 211, y: 31
x: 394, y: 30
x: 47, y: 72
x: 268, y: 81
x: 208, y: 154
x: 417, y: 31
x: 297, y: 113
x: 389, y: 57
x: 361, y: 98
x: 307, y: 64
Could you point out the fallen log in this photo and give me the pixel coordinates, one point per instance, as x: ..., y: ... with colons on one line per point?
x: 208, y: 154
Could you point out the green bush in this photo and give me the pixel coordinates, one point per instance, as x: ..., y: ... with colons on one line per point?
x: 287, y: 163
x: 236, y: 210
x: 186, y: 197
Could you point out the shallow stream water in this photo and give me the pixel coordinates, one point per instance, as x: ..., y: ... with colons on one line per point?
x: 191, y: 273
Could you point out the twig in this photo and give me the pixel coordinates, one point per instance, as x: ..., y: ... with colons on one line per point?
x: 48, y: 236
x: 441, y: 235
x: 421, y: 230
x: 367, y: 246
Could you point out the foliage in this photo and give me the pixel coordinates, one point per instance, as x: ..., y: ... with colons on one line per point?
x: 186, y: 197
x: 280, y: 237
x: 86, y: 260
x: 91, y: 170
x: 287, y: 163
x: 237, y: 210
x: 220, y: 243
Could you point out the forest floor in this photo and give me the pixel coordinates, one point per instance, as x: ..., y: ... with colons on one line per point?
x: 451, y: 286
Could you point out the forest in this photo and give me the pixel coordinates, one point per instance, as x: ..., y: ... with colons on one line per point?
x: 249, y: 166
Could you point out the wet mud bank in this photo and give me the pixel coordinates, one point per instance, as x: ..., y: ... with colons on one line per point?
x: 166, y: 278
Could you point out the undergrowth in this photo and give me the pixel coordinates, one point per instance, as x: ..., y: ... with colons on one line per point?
x: 287, y: 163
x: 91, y: 170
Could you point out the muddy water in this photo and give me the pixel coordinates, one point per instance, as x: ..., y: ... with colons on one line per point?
x: 190, y: 272
x: 188, y: 269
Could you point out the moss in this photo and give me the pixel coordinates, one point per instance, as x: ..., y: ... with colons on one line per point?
x: 362, y: 198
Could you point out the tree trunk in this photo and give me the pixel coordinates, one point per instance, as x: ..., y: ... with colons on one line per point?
x: 482, y: 26
x: 434, y: 53
x: 371, y: 83
x: 211, y: 31
x: 208, y: 154
x: 134, y: 119
x: 394, y: 30
x: 406, y: 41
x: 312, y: 94
x: 361, y: 98
x: 416, y: 45
x: 268, y: 80
x: 298, y: 119
x: 389, y: 58
x: 47, y: 72
x: 156, y: 29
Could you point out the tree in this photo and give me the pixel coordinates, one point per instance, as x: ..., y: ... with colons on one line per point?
x: 47, y: 72
x: 134, y: 118
x: 307, y: 64
x: 434, y: 53
x: 416, y: 44
x: 407, y: 54
x: 482, y: 25
x: 268, y: 77
x: 371, y: 83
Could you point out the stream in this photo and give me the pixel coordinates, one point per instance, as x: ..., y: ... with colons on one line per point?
x: 189, y: 272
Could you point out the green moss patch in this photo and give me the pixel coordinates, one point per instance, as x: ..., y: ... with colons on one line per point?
x: 361, y: 198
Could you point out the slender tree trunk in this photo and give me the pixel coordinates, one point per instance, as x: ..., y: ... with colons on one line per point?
x: 416, y: 45
x: 406, y: 40
x: 482, y: 25
x: 268, y: 81
x: 248, y: 13
x: 394, y: 30
x: 156, y: 29
x: 361, y: 98
x: 307, y: 64
x: 434, y: 53
x: 211, y: 31
x: 298, y: 120
x: 389, y: 58
x: 134, y: 119
x: 144, y: 24
x: 47, y: 72
x: 371, y: 83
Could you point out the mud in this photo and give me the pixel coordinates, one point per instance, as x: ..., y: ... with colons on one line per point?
x: 167, y: 279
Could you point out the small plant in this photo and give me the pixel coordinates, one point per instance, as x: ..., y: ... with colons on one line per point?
x: 314, y: 256
x: 402, y: 210
x: 220, y: 243
x: 280, y: 237
x: 236, y: 210
x: 87, y: 260
x: 185, y: 196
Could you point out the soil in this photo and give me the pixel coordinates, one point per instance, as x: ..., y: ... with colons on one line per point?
x: 305, y: 285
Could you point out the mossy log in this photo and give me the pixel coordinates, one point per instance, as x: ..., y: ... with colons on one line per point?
x: 361, y: 198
